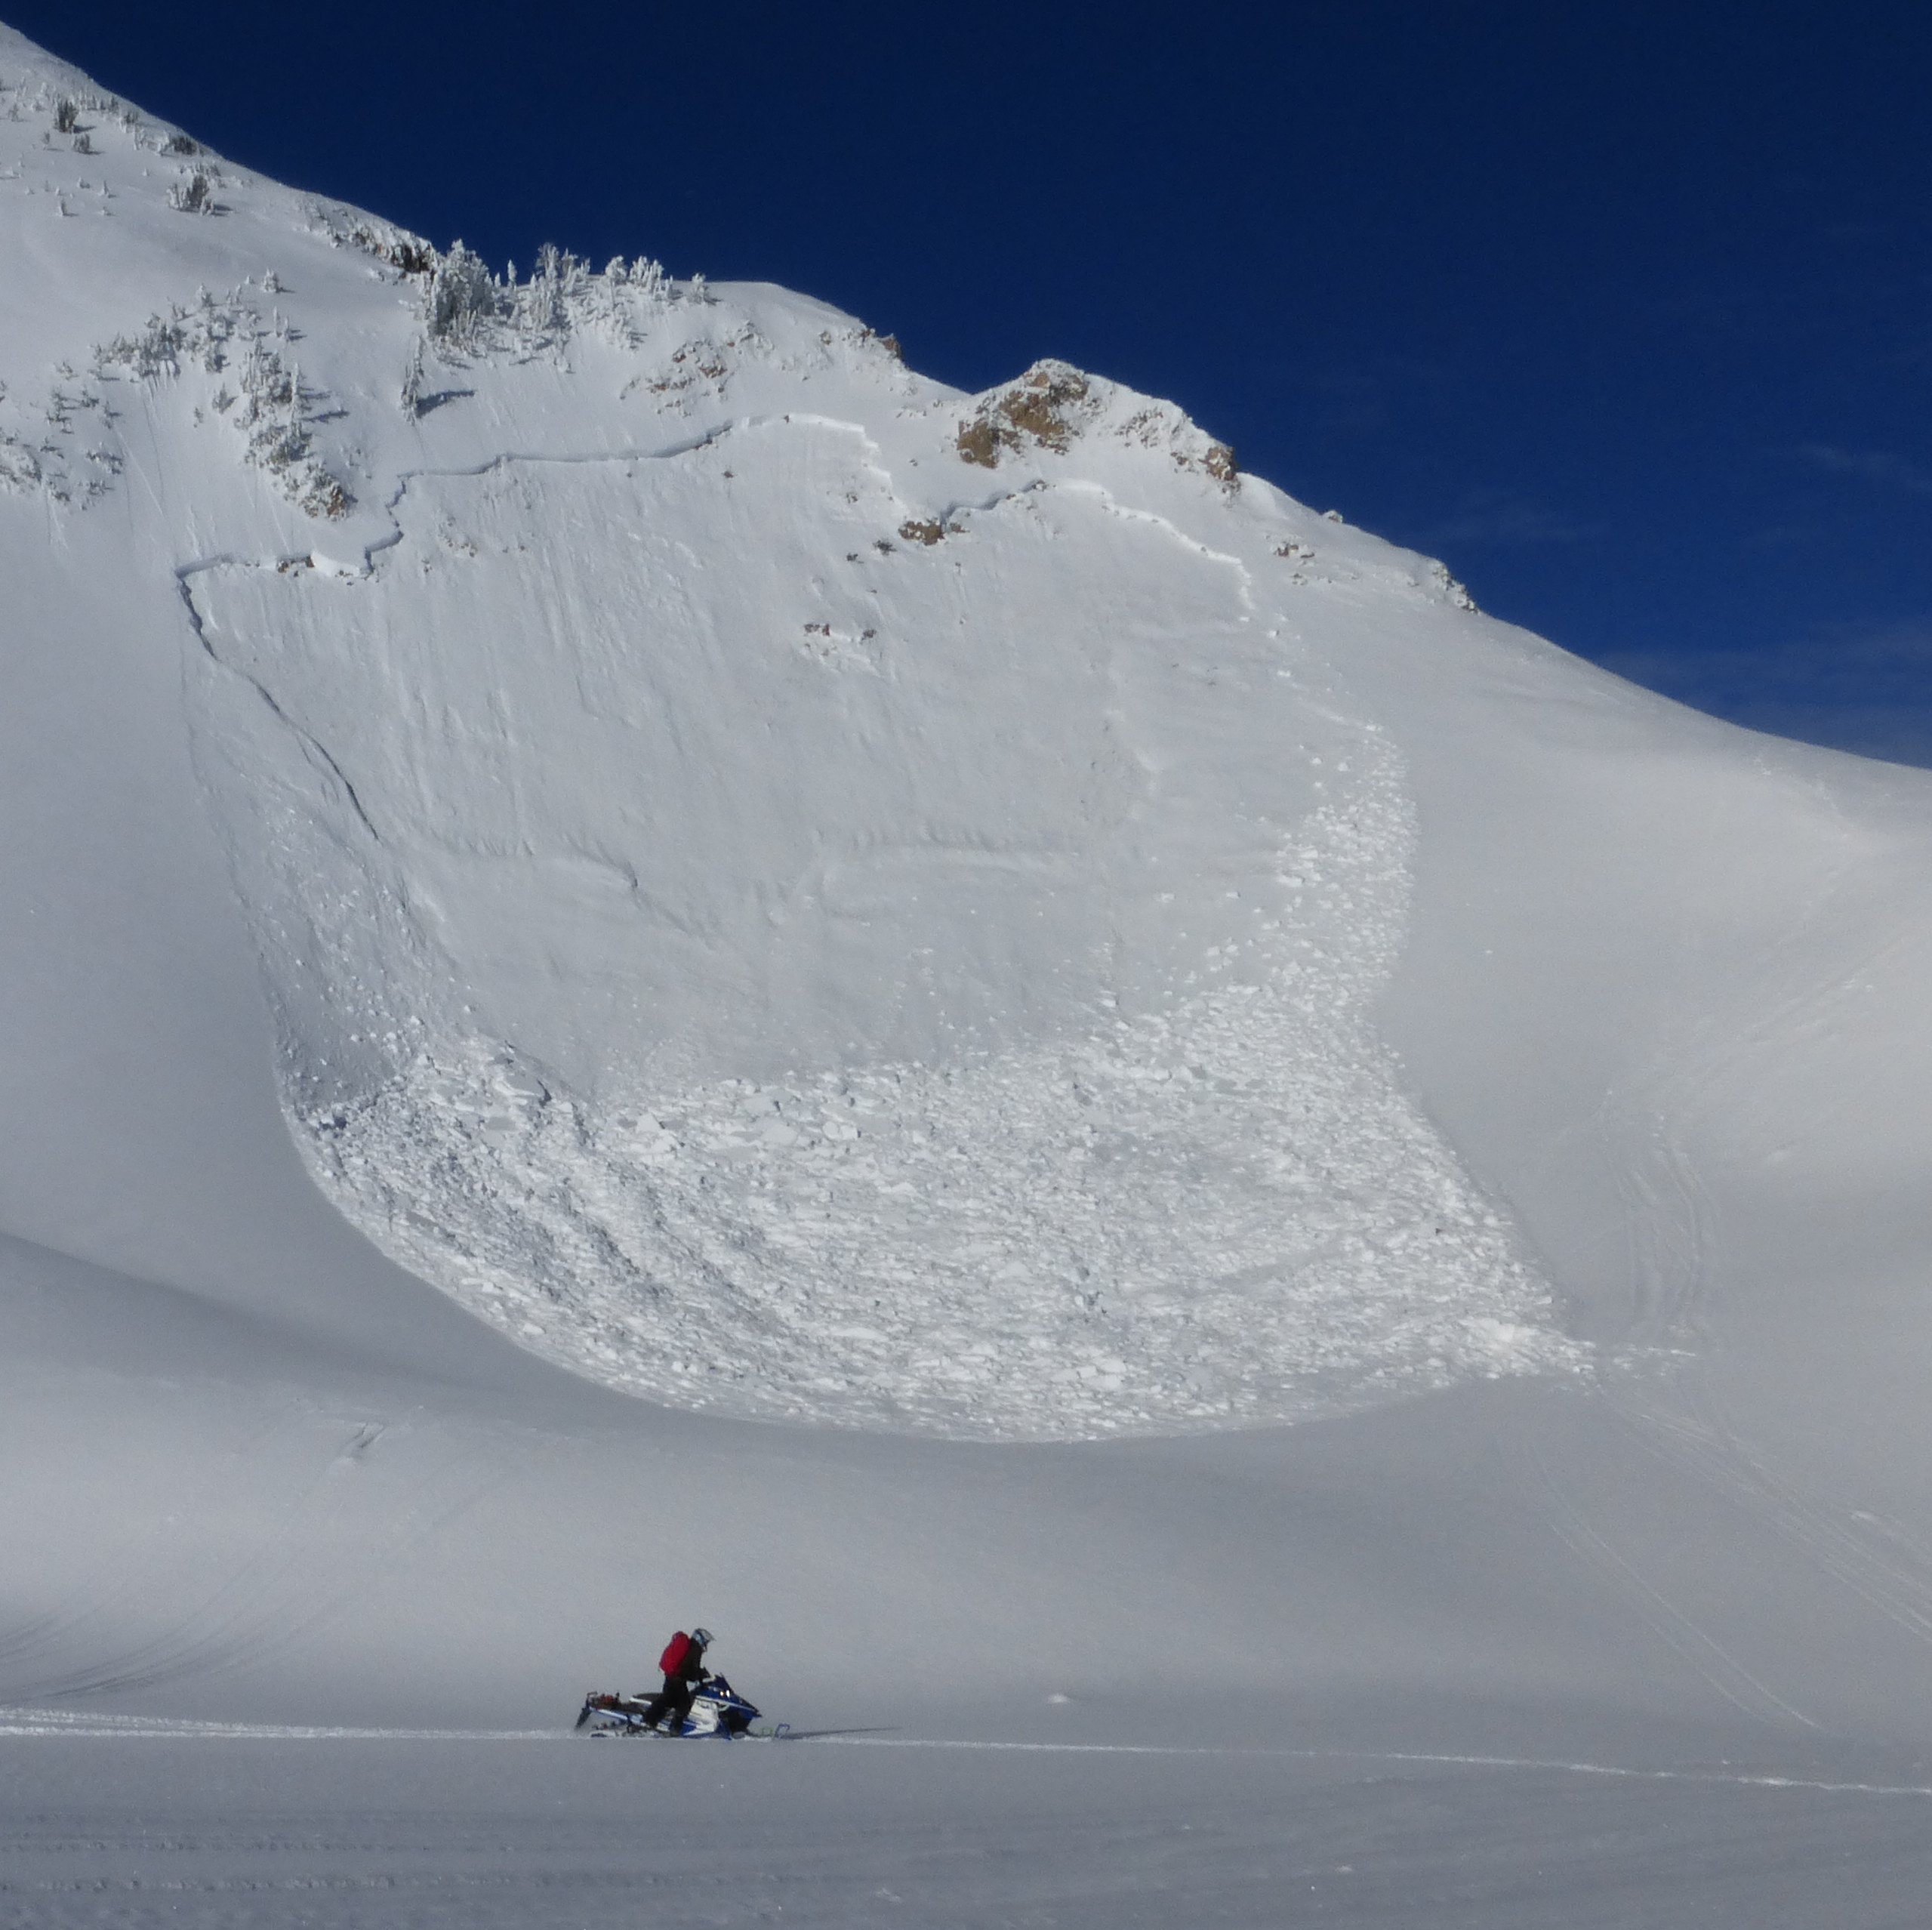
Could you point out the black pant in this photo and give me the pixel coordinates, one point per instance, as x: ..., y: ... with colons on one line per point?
x: 674, y: 1698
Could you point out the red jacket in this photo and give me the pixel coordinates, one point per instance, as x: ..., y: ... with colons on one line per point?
x: 683, y: 1661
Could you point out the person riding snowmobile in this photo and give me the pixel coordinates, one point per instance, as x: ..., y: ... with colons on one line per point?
x: 683, y: 1664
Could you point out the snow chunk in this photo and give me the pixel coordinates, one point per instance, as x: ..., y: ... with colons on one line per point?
x: 1224, y: 1212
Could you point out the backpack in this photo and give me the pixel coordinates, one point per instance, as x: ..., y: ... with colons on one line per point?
x: 677, y: 1652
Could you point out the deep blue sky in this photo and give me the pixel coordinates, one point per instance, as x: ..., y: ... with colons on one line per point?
x: 1623, y: 310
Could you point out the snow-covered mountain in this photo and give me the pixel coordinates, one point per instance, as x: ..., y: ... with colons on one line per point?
x: 917, y: 932
x: 787, y: 889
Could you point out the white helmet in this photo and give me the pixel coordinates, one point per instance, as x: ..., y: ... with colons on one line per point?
x: 702, y: 1637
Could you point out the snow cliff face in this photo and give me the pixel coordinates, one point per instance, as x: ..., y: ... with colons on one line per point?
x: 786, y: 888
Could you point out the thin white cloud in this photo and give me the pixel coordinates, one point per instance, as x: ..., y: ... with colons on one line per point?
x: 1878, y: 466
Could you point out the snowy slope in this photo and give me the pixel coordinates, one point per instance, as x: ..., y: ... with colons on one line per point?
x: 924, y: 935
x: 786, y: 888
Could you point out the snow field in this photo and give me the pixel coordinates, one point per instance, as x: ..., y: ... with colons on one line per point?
x: 351, y: 1834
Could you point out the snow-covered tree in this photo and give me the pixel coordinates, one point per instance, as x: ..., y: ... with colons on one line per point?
x: 462, y: 292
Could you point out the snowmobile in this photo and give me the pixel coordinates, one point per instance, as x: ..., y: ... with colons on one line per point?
x: 717, y: 1710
